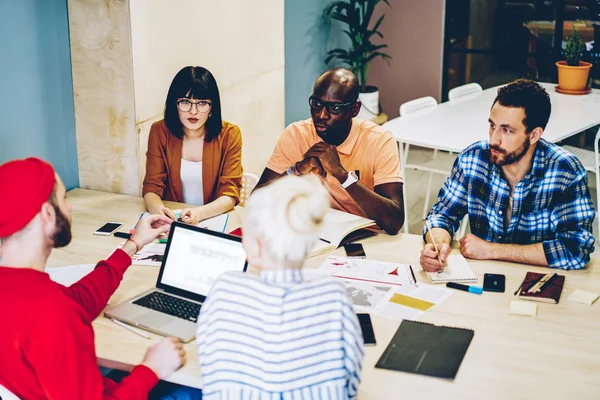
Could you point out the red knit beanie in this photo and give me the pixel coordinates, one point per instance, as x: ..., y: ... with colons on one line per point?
x: 24, y: 186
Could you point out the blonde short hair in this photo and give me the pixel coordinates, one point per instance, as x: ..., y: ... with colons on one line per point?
x: 287, y: 216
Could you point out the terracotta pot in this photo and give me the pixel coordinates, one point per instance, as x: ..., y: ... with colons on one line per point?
x: 573, y: 78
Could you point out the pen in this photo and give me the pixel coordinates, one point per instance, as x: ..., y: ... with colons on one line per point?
x: 131, y: 328
x: 326, y: 241
x: 131, y: 231
x: 434, y: 244
x: 466, y: 288
x: 124, y: 235
x: 543, y: 286
x: 413, y: 275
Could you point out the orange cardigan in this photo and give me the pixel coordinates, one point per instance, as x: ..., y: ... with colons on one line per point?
x: 221, y: 164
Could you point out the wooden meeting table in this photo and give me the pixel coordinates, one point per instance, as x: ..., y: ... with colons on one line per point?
x: 553, y: 355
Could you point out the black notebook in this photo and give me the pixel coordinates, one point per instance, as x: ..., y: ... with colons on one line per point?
x: 426, y: 349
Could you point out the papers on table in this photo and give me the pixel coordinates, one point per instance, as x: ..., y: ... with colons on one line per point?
x: 457, y: 270
x: 383, y: 287
x: 70, y: 274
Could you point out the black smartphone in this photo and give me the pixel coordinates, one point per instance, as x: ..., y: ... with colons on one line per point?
x: 355, y: 250
x: 108, y: 228
x: 494, y: 283
x: 367, y: 329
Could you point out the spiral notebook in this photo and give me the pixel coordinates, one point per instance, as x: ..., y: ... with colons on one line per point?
x: 456, y: 270
x: 426, y: 349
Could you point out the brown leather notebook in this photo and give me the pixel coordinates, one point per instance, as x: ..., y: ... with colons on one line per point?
x: 549, y: 291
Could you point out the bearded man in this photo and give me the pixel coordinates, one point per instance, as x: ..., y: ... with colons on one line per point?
x: 528, y: 200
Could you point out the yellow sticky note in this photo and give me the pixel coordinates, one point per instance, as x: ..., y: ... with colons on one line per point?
x: 523, y: 308
x: 584, y: 297
x: 411, y: 302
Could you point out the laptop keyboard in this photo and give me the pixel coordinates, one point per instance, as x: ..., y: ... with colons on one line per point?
x: 171, y: 305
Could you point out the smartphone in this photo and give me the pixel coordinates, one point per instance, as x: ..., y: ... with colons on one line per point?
x: 494, y: 283
x: 108, y: 229
x: 367, y: 329
x: 355, y: 250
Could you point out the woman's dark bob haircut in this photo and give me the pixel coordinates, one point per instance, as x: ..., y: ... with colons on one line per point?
x: 194, y: 83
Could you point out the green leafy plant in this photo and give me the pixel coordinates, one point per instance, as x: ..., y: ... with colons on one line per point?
x: 357, y: 14
x: 574, y: 49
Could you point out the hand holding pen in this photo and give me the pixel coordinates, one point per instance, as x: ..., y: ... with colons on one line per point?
x: 434, y: 255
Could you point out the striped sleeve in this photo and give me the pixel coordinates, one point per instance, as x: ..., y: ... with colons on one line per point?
x: 353, y: 346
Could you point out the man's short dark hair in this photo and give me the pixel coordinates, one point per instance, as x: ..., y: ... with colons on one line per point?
x: 197, y: 83
x: 531, y: 97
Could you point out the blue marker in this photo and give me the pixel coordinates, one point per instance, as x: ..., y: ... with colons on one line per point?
x: 466, y: 288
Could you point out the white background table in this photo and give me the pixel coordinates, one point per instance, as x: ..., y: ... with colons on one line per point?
x: 453, y: 126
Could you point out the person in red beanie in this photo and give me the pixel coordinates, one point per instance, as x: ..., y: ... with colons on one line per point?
x: 47, y: 338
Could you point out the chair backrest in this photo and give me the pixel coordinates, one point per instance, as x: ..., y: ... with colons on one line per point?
x: 464, y: 90
x: 421, y: 104
x: 5, y: 394
x: 249, y: 182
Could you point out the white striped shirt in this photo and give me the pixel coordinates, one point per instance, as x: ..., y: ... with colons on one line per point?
x: 279, y: 336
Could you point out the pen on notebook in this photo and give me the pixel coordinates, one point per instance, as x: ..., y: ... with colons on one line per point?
x: 545, y: 284
x: 434, y: 243
x: 413, y: 275
x: 324, y: 240
x: 131, y: 328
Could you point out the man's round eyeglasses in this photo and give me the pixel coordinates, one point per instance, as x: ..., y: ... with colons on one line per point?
x: 201, y: 106
x: 332, y: 108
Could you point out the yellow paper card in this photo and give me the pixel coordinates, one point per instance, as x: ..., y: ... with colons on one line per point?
x: 411, y: 302
x: 523, y: 308
x: 581, y: 296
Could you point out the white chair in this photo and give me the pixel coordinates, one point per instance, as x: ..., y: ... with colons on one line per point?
x: 432, y: 166
x: 464, y: 90
x: 5, y: 394
x: 249, y: 182
x: 591, y: 163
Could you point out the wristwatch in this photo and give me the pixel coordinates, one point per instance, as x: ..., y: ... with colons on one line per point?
x: 352, y: 178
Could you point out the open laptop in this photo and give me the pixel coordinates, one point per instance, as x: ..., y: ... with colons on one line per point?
x: 194, y: 258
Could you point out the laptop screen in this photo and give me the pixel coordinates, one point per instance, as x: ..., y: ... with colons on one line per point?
x: 195, y: 257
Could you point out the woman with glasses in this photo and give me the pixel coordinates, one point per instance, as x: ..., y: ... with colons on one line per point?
x: 193, y: 155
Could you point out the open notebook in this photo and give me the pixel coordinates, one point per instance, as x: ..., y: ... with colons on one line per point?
x: 341, y: 228
x: 457, y: 270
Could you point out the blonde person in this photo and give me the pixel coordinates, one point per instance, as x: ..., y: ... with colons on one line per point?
x: 279, y: 334
x: 193, y: 155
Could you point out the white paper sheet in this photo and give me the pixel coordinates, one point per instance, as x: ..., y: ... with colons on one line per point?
x: 70, y: 274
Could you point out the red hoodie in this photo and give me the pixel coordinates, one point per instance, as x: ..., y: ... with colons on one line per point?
x: 47, y: 339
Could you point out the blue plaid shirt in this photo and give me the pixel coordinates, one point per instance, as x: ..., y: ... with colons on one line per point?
x: 551, y: 204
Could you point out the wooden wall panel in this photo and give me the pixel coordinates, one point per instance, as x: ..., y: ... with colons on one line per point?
x: 104, y: 98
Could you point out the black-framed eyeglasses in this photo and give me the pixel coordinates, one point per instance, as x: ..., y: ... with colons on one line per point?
x: 186, y: 106
x: 332, y: 108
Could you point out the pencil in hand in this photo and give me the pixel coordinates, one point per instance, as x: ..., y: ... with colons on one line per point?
x: 434, y: 243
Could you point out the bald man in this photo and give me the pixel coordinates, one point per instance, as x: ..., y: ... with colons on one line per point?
x: 357, y: 160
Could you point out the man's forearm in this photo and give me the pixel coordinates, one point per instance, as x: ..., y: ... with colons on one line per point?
x: 440, y: 236
x: 532, y: 254
x: 388, y: 214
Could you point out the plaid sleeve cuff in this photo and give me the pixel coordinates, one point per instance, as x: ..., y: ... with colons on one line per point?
x: 438, y: 221
x: 558, y: 256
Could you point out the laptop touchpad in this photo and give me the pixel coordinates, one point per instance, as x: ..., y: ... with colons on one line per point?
x: 154, y: 319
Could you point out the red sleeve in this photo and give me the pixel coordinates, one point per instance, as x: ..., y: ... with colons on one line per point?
x: 93, y: 291
x: 60, y: 348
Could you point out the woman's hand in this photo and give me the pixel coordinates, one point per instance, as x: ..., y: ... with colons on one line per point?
x: 165, y: 211
x: 192, y: 216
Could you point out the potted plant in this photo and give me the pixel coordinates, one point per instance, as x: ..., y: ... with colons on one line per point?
x: 357, y: 14
x: 573, y: 73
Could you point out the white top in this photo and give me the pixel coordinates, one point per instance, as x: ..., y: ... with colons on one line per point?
x: 191, y: 181
x: 279, y: 336
x: 455, y: 125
